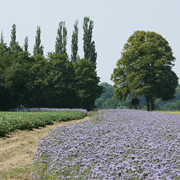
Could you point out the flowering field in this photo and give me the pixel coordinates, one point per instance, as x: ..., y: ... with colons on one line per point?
x: 119, y: 144
x: 10, y: 121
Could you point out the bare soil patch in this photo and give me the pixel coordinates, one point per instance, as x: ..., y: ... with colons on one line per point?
x: 18, y: 149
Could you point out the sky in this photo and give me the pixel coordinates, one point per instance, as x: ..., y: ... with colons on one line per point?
x: 114, y: 22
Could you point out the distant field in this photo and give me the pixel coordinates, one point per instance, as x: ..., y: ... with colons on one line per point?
x: 172, y: 112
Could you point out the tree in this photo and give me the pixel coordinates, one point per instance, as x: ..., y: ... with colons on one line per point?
x: 89, y: 45
x: 38, y: 48
x: 107, y: 94
x: 7, y: 100
x: 61, y: 39
x: 2, y: 38
x: 135, y: 102
x: 13, y: 36
x: 111, y: 103
x: 37, y: 83
x: 87, y: 87
x: 26, y: 44
x: 145, y: 68
x: 60, y: 89
x: 14, y: 75
x: 93, y: 54
x: 74, y: 41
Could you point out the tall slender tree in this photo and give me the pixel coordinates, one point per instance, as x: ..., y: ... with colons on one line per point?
x: 74, y: 41
x: 64, y: 39
x: 93, y: 54
x: 26, y: 44
x: 13, y: 36
x: 87, y: 27
x: 38, y: 49
x: 61, y: 39
x: 89, y: 45
x: 2, y: 38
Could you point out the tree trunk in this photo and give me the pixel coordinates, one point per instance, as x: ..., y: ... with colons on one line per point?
x: 150, y: 103
x: 129, y: 101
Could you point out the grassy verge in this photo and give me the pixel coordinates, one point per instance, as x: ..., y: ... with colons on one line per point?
x: 17, y: 173
x: 92, y: 113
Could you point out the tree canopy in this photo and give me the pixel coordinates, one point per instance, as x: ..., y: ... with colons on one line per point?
x: 145, y: 68
x: 54, y: 81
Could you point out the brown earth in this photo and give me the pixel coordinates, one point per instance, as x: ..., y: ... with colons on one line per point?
x: 18, y: 149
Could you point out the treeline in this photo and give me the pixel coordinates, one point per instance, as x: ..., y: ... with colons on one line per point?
x: 58, y: 80
x: 108, y: 101
x: 171, y: 105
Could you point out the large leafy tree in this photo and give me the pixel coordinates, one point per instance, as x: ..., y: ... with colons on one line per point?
x: 145, y: 68
x: 60, y: 79
x: 87, y: 84
x: 37, y: 83
x: 6, y: 96
x: 61, y: 39
x: 38, y: 48
x: 89, y: 46
x: 74, y: 41
x: 14, y: 74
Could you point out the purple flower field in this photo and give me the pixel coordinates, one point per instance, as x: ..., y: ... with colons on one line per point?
x: 119, y: 144
x: 48, y: 109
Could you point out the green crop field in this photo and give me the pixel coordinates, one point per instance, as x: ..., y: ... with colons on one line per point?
x: 10, y: 121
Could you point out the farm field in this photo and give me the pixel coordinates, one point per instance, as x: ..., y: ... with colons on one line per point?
x: 18, y: 149
x: 10, y: 121
x: 119, y: 144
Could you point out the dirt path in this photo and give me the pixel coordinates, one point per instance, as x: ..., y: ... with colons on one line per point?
x: 17, y: 150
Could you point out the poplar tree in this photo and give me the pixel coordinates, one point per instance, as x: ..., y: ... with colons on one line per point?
x: 93, y: 54
x: 13, y: 36
x: 89, y: 45
x: 26, y: 44
x: 74, y: 41
x: 38, y: 49
x: 2, y: 38
x: 61, y: 39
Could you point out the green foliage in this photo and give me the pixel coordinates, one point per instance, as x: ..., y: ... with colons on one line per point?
x: 2, y: 38
x: 89, y: 45
x: 74, y: 43
x: 36, y: 81
x: 135, y: 102
x: 86, y: 81
x: 38, y: 48
x: 61, y: 39
x: 111, y: 103
x: 26, y: 44
x: 13, y: 36
x: 10, y: 121
x: 107, y: 94
x: 145, y: 69
x: 169, y: 105
x: 60, y: 88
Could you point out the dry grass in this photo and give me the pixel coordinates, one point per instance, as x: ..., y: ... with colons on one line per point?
x: 172, y: 112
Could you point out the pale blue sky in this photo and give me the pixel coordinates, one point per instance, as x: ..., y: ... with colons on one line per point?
x: 114, y: 22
